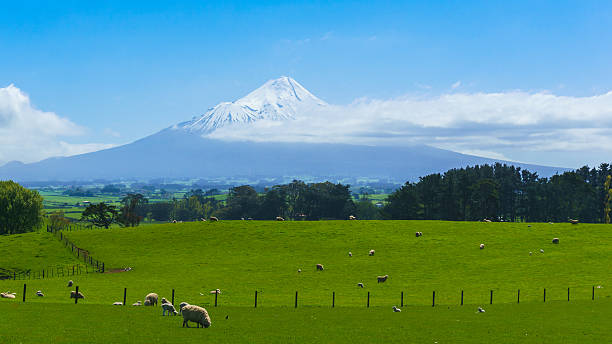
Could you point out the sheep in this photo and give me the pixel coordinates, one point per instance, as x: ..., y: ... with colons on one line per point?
x: 213, y: 219
x: 152, y: 298
x: 39, y: 293
x: 396, y: 310
x: 118, y: 303
x: 371, y: 253
x: 555, y: 240
x: 137, y: 303
x: 541, y: 251
x: 382, y: 279
x: 70, y: 283
x: 350, y: 254
x: 418, y: 234
x: 216, y: 291
x: 573, y: 221
x: 181, y: 305
x: 530, y: 253
x: 320, y: 267
x: 278, y: 218
x: 482, y: 246
x: 481, y: 310
x: 147, y: 302
x: 168, y: 307
x: 163, y: 300
x: 299, y: 270
x: 196, y: 314
x: 74, y: 295
x: 7, y: 295
x: 352, y: 217
x: 486, y: 220
x: 360, y: 285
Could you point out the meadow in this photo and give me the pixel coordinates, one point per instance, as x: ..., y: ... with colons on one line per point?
x: 241, y: 257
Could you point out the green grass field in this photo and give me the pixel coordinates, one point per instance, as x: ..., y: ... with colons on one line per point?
x: 240, y: 257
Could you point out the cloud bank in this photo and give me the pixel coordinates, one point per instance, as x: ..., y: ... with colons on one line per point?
x: 28, y: 134
x: 522, y: 126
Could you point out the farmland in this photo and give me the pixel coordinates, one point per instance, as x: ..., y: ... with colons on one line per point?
x: 241, y: 257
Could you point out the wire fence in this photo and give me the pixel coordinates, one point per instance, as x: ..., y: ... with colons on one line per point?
x: 81, y: 254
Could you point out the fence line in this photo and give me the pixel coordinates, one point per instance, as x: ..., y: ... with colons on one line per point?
x: 96, y: 265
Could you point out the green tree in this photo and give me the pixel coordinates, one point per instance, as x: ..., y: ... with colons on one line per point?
x: 129, y: 216
x: 21, y: 210
x: 57, y: 220
x: 608, y: 194
x: 100, y: 214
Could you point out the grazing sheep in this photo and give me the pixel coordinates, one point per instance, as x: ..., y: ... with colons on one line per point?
x: 418, y: 234
x: 486, y: 220
x: 350, y: 254
x: 163, y: 300
x: 181, y: 305
x: 382, y: 279
x: 572, y: 221
x: 196, y: 314
x: 320, y: 267
x: 530, y: 253
x: 482, y: 246
x: 73, y: 295
x: 70, y: 283
x: 216, y: 291
x: 371, y: 253
x: 555, y: 240
x: 137, y: 303
x: 168, y: 307
x: 147, y: 303
x: 480, y: 310
x: 360, y: 285
x: 39, y: 293
x: 299, y: 270
x: 152, y: 298
x: 396, y: 310
x: 213, y: 219
x: 7, y: 295
x: 541, y: 251
x: 203, y: 219
x: 117, y: 303
x: 351, y: 217
x: 278, y: 218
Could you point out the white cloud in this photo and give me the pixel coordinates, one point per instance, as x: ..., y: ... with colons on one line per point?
x: 516, y: 125
x: 456, y: 85
x: 28, y: 134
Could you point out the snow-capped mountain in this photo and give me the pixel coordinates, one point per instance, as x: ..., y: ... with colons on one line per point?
x: 278, y: 99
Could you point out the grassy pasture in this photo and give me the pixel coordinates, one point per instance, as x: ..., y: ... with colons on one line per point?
x: 573, y: 322
x: 240, y: 257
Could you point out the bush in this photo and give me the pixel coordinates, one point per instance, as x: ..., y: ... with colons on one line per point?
x: 20, y: 208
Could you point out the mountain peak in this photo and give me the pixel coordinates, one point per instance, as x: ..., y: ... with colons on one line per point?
x: 277, y: 99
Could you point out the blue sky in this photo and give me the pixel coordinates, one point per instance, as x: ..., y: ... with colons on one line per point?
x: 120, y: 70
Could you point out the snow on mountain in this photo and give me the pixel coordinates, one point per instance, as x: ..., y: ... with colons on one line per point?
x: 278, y: 99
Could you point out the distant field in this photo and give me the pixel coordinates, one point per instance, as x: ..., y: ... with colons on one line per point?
x: 240, y: 257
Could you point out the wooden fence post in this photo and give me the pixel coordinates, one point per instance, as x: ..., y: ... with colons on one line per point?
x: 124, y: 295
x: 567, y: 294
x: 216, y: 295
x: 491, y: 299
x: 593, y: 294
x: 296, y: 293
x: 462, y: 297
x: 76, y: 295
x: 518, y: 296
x: 433, y: 299
x: 402, y: 299
x: 368, y: 304
x: 255, y: 298
x: 24, y: 292
x: 544, y: 294
x: 333, y: 299
x: 173, y: 298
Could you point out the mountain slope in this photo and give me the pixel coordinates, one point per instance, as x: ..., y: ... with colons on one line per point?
x: 279, y: 99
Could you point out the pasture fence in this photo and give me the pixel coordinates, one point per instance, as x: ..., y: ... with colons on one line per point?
x: 52, y: 272
x: 80, y: 253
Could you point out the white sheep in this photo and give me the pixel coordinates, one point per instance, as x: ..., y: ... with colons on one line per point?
x: 360, y: 285
x: 350, y: 254
x: 152, y: 299
x: 352, y: 217
x: 371, y: 252
x: 70, y: 283
x: 118, y: 303
x: 181, y: 305
x: 481, y: 310
x: 163, y: 300
x: 541, y: 251
x: 39, y: 293
x: 137, y: 303
x: 7, y: 295
x: 213, y: 219
x: 382, y: 279
x: 216, y: 291
x: 482, y: 246
x: 395, y: 309
x: 168, y: 307
x: 278, y: 218
x: 555, y: 240
x: 299, y: 270
x: 73, y: 295
x: 196, y: 314
x: 320, y: 267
